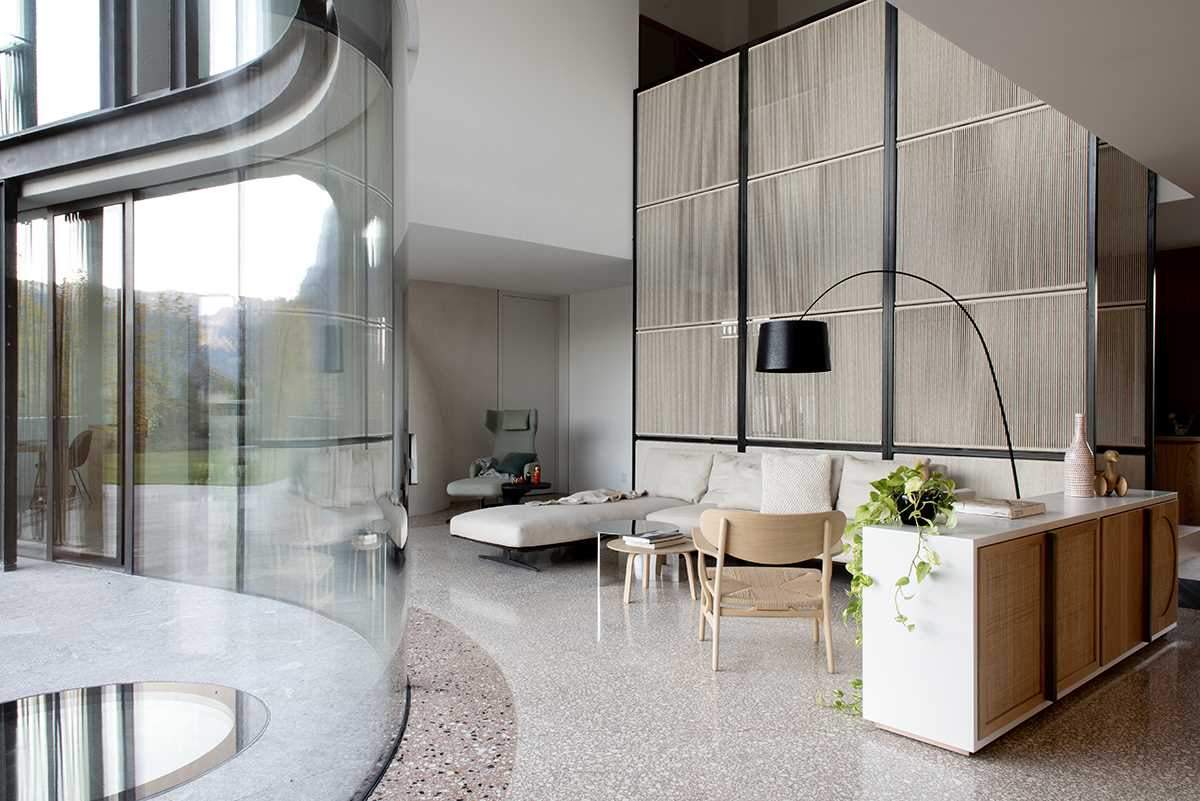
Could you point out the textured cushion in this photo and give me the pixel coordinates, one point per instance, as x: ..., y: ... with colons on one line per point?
x: 514, y: 463
x: 796, y: 483
x: 735, y: 481
x: 676, y: 474
x: 774, y: 589
x: 857, y: 475
x: 514, y: 420
x: 684, y: 518
x: 525, y: 526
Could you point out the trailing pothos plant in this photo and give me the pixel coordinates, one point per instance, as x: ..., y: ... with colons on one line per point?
x: 913, y: 496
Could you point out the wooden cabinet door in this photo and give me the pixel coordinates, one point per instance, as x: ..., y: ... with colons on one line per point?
x: 1162, y: 525
x: 1122, y: 584
x: 1011, y: 676
x: 1076, y: 603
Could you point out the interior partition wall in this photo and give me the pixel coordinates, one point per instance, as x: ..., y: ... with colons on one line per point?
x: 862, y: 140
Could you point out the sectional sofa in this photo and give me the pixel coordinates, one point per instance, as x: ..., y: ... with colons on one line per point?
x: 680, y: 484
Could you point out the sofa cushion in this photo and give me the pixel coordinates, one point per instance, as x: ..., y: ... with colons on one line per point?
x: 478, y: 487
x: 676, y: 474
x: 685, y: 518
x: 526, y: 526
x: 735, y: 481
x: 857, y: 475
x: 796, y: 483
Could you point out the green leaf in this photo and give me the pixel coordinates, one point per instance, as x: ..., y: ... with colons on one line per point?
x: 923, y: 569
x: 902, y: 581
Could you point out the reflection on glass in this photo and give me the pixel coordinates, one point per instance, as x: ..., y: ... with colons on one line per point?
x: 236, y: 32
x: 67, y: 44
x: 122, y: 741
x: 150, y: 40
x: 33, y: 320
x: 88, y: 268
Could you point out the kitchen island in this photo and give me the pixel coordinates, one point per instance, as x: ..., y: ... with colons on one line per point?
x: 1020, y: 613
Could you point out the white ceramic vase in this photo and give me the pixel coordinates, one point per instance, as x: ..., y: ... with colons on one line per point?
x: 1079, y: 466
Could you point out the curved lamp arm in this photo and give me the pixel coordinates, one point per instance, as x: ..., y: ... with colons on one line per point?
x: 987, y: 353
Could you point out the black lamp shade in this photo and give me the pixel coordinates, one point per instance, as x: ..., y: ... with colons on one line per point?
x: 793, y: 346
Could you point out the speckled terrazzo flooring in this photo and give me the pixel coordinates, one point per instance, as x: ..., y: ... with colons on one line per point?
x: 461, y: 734
x: 618, y: 702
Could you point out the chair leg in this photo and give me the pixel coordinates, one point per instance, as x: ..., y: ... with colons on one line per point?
x: 703, y: 612
x: 816, y: 630
x: 828, y: 640
x: 687, y: 561
x: 716, y: 626
x: 81, y: 485
x: 628, y: 576
x: 646, y: 566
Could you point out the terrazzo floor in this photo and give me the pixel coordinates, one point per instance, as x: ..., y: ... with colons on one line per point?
x: 615, y: 702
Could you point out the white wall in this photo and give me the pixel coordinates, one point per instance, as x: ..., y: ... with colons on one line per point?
x: 521, y: 120
x: 601, y: 389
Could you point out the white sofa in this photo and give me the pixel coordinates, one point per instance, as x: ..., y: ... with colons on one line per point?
x: 680, y: 484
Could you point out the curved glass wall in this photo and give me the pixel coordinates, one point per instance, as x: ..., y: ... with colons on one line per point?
x: 210, y: 376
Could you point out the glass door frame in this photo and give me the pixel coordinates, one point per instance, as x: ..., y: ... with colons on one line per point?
x: 125, y: 362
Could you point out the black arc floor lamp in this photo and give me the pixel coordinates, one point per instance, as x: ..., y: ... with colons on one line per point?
x: 802, y: 346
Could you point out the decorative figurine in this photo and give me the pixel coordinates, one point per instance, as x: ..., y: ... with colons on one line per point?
x: 1108, y: 480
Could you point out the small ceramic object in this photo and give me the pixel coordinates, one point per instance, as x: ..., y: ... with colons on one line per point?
x: 1079, y: 464
x: 1108, y: 480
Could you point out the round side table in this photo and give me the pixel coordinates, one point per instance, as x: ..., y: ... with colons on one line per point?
x: 685, y: 549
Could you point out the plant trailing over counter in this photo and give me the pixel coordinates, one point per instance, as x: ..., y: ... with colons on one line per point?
x: 913, y: 496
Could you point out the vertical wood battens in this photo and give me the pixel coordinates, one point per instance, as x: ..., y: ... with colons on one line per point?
x: 687, y: 382
x: 1122, y: 259
x: 941, y: 84
x: 687, y: 256
x: 998, y: 207
x: 1120, y: 366
x: 816, y: 92
x: 688, y: 133
x: 1040, y: 364
x: 841, y: 406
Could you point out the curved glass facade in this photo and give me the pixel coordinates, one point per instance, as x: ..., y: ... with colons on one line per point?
x: 210, y: 381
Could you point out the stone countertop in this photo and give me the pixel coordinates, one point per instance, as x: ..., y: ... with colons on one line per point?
x: 1061, y: 511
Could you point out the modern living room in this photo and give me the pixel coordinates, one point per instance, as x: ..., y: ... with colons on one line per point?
x: 887, y: 313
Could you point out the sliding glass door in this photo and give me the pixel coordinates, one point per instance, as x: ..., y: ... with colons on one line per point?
x: 86, y: 394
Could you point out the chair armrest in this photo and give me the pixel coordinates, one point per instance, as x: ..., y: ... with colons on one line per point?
x: 473, y: 470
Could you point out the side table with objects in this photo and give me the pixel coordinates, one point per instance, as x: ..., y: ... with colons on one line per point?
x: 648, y: 540
x: 514, y: 492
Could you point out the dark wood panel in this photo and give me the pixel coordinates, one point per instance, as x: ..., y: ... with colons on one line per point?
x: 1177, y: 468
x: 1012, y: 625
x: 1162, y: 523
x: 1122, y: 584
x: 1076, y: 603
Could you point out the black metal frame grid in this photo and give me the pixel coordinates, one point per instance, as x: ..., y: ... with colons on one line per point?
x: 887, y: 447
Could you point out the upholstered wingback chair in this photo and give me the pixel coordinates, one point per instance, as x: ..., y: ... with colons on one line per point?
x: 515, y: 432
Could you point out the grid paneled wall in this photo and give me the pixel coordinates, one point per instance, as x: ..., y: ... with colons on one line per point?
x: 944, y: 394
x: 687, y: 133
x: 994, y: 208
x: 809, y: 227
x: 817, y: 92
x: 841, y: 406
x: 687, y: 260
x: 687, y: 382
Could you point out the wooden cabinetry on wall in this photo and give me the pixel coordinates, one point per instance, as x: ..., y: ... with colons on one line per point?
x: 1162, y: 526
x: 1122, y: 584
x: 1012, y: 675
x: 1076, y: 603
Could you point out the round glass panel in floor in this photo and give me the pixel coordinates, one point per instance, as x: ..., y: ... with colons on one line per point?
x: 122, y: 741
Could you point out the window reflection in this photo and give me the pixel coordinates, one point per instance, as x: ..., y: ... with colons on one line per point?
x: 67, y: 44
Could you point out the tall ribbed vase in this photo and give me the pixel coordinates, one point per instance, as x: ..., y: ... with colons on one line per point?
x: 1079, y: 466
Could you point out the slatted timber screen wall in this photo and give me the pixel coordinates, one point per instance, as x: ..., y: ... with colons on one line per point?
x: 992, y: 204
x: 687, y: 254
x: 1122, y: 263
x: 815, y: 214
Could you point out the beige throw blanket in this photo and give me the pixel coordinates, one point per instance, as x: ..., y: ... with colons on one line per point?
x: 589, y: 496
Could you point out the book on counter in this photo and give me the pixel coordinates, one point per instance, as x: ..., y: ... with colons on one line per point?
x: 659, y: 539
x: 1000, y: 507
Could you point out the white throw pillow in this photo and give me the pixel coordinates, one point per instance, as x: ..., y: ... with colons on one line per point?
x: 676, y: 474
x: 857, y: 475
x: 796, y: 483
x: 735, y: 481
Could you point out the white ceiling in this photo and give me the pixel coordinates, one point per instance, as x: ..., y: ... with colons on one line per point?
x: 1129, y: 71
x: 460, y: 257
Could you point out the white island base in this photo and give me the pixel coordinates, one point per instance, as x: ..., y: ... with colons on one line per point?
x: 1020, y: 613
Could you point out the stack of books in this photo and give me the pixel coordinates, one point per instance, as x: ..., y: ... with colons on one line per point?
x: 661, y: 539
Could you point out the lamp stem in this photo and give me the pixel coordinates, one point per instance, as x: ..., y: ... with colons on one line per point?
x: 1012, y: 459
